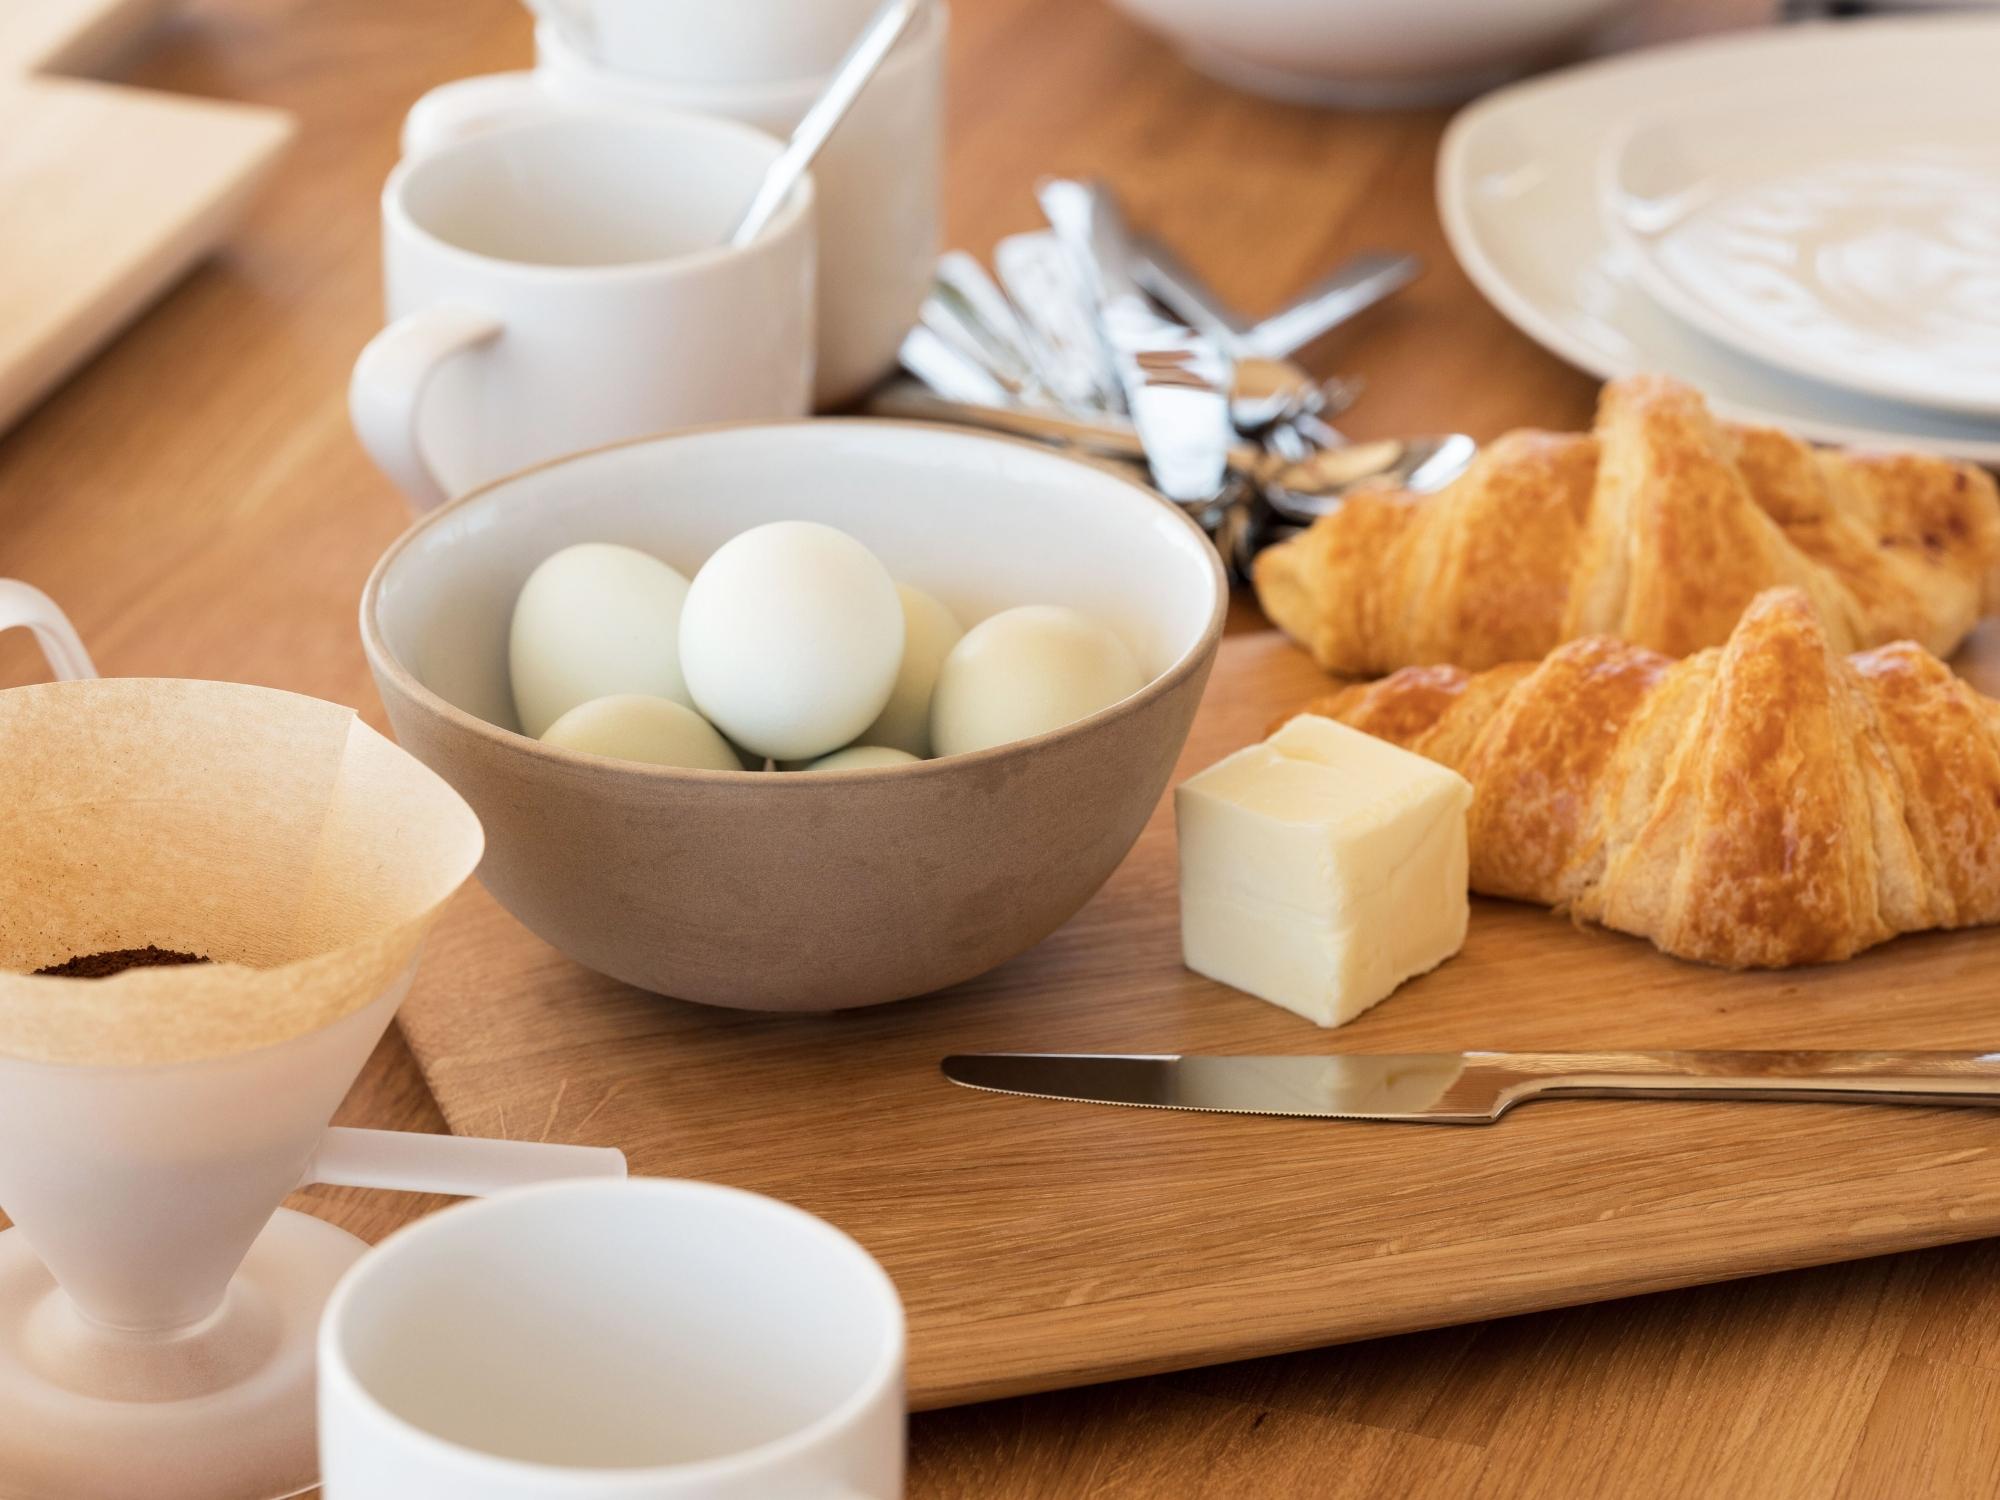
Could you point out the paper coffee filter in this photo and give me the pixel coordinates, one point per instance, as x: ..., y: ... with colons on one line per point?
x: 277, y: 834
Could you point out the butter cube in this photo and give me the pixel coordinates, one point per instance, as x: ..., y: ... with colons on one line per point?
x: 1322, y: 868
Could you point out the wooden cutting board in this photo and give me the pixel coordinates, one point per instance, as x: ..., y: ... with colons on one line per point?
x: 1042, y: 1244
x: 109, y: 194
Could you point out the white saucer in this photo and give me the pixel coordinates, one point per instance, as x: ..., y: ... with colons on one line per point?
x: 1518, y: 190
x: 223, y: 1411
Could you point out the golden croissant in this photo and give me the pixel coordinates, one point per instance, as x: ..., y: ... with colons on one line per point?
x: 1759, y: 804
x: 1658, y: 528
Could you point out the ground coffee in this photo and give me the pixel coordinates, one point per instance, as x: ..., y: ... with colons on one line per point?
x: 117, y: 961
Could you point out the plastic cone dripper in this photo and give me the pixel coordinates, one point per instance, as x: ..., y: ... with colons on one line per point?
x: 150, y: 1123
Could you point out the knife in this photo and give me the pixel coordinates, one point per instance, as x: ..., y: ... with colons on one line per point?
x: 1348, y: 290
x: 1475, y: 1088
x: 1176, y: 382
x: 1044, y: 287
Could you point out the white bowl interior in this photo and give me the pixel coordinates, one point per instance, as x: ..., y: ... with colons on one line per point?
x: 981, y: 523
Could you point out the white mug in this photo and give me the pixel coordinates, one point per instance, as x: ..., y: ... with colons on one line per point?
x: 706, y: 42
x: 564, y: 283
x: 878, y: 178
x: 645, y: 1340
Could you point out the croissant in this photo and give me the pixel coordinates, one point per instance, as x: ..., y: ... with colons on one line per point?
x: 1759, y: 804
x: 1658, y: 528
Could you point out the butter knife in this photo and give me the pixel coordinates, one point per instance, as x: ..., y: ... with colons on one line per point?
x: 1176, y: 382
x: 1475, y: 1088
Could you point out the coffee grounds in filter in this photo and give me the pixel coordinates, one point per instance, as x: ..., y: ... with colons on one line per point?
x: 118, y: 960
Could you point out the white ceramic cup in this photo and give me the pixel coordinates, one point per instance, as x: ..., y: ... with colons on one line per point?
x: 563, y: 283
x: 645, y: 1340
x: 711, y: 41
x: 23, y: 605
x: 878, y: 193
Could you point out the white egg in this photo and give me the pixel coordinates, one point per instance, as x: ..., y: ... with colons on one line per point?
x: 594, y: 620
x: 929, y: 632
x: 631, y: 726
x: 791, y: 638
x: 1024, y: 672
x: 861, y: 758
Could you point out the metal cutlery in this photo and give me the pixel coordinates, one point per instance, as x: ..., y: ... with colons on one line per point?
x: 953, y: 373
x: 965, y: 308
x: 1043, y: 284
x: 1270, y: 391
x: 1105, y: 436
x: 1300, y: 491
x: 1068, y: 348
x: 1349, y: 289
x: 1307, y: 488
x: 1476, y: 1088
x: 1175, y: 382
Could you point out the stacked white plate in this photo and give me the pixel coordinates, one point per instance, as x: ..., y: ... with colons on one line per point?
x: 1803, y: 221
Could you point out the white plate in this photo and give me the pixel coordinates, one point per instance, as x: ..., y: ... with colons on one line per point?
x: 1518, y: 192
x: 1856, y: 241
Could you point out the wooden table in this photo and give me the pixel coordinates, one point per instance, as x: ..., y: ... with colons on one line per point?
x: 195, y: 499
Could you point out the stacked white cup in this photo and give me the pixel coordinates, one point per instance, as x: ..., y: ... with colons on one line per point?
x: 760, y: 62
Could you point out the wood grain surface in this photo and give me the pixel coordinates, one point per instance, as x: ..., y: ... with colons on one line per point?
x: 108, y: 192
x: 1039, y: 1244
x: 195, y: 499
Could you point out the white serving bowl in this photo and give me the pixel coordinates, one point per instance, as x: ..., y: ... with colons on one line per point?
x: 1369, y: 53
x: 781, y: 891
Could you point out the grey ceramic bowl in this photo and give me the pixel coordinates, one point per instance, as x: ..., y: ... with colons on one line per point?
x: 772, y: 891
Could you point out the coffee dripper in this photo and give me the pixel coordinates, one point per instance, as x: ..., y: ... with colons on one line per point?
x: 157, y: 1304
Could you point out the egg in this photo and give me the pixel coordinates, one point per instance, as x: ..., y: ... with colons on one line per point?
x: 861, y: 758
x: 1024, y: 672
x: 791, y: 639
x: 594, y: 620
x: 929, y: 632
x: 632, y: 726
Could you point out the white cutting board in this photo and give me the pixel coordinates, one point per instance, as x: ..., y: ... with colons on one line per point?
x: 108, y: 194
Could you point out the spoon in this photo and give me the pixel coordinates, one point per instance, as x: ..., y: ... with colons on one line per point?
x: 884, y: 29
x: 1271, y: 391
x: 1311, y: 487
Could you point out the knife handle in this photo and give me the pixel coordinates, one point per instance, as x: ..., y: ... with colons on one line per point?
x: 1088, y: 221
x: 1970, y: 1078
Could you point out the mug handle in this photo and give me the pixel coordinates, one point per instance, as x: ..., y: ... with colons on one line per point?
x: 467, y: 107
x: 385, y: 397
x: 462, y: 1166
x: 23, y: 604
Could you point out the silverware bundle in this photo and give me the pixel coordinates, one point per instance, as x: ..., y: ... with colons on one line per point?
x: 1074, y: 345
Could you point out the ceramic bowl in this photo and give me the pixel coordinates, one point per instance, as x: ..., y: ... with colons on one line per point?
x: 1363, y: 53
x: 776, y: 891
